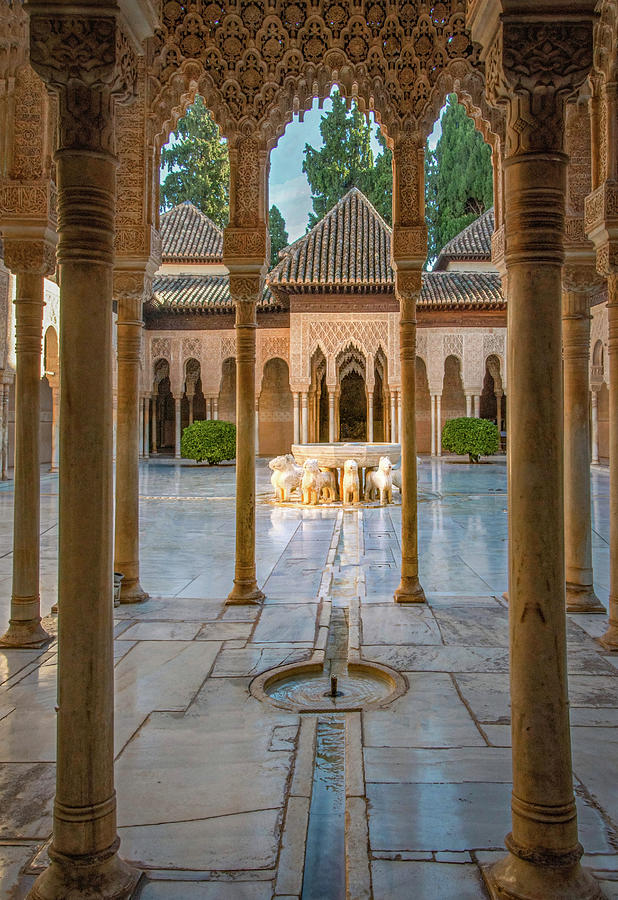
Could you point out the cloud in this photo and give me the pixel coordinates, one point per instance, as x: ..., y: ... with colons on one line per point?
x: 293, y: 197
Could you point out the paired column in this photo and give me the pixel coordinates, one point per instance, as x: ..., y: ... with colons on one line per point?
x: 55, y: 444
x: 610, y: 638
x: 153, y: 423
x: 4, y: 437
x: 129, y: 292
x: 304, y: 417
x: 296, y: 415
x: 29, y: 261
x: 594, y: 415
x: 469, y: 405
x: 146, y: 427
x: 580, y: 595
x: 438, y: 424
x: 332, y: 435
x: 215, y: 408
x: 177, y: 426
x: 394, y: 434
x: 84, y: 850
x: 370, y: 416
x: 432, y: 401
x: 544, y: 851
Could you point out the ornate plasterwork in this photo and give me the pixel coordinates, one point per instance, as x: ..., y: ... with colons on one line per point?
x: 258, y: 61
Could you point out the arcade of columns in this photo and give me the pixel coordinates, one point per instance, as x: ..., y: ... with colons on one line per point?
x: 254, y: 72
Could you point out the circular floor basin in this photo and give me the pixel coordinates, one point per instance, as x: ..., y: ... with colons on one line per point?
x: 334, y: 455
x: 306, y: 687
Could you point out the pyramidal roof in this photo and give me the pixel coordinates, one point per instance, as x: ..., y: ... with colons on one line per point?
x: 474, y: 242
x: 350, y: 246
x: 188, y: 234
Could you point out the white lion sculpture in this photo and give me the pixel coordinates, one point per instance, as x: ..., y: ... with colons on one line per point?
x: 351, y: 484
x: 315, y: 483
x: 286, y: 476
x: 380, y: 481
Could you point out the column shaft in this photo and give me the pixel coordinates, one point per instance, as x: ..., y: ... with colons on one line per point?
x: 477, y: 406
x: 178, y: 426
x: 580, y: 595
x: 331, y: 416
x: 25, y: 628
x: 257, y: 427
x: 304, y: 419
x: 245, y: 588
x: 146, y: 427
x: 394, y: 434
x: 370, y: 416
x: 433, y: 424
x: 215, y: 408
x: 126, y: 532
x: 469, y: 405
x: 409, y: 590
x: 296, y: 417
x: 594, y: 415
x: 439, y: 424
x: 154, y: 423
x: 191, y: 409
x: 55, y: 429
x: 610, y: 638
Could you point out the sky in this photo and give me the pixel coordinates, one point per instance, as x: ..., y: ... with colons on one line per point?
x: 289, y: 188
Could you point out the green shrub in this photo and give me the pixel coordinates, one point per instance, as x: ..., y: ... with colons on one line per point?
x: 212, y: 441
x: 476, y: 437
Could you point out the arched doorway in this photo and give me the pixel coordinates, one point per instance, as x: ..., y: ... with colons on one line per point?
x: 227, y: 391
x: 193, y: 406
x: 318, y: 399
x: 164, y: 407
x: 352, y: 395
x: 453, y: 397
x: 275, y: 409
x: 423, y: 408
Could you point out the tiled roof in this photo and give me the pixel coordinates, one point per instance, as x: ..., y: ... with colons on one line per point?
x: 198, y: 293
x: 350, y: 246
x: 461, y: 289
x: 187, y: 234
x: 474, y: 242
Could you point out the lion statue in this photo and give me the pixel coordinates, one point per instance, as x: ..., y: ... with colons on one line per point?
x: 286, y: 476
x: 315, y: 484
x: 351, y: 483
x: 380, y: 482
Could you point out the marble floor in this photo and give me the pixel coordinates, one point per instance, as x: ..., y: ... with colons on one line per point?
x: 216, y: 788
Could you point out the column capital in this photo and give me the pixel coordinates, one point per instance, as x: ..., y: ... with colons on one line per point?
x: 35, y: 255
x: 245, y: 287
x: 581, y: 278
x: 131, y: 286
x: 534, y: 61
x: 88, y: 60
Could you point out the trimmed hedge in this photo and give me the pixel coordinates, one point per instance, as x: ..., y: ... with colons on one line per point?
x: 212, y: 441
x: 476, y: 437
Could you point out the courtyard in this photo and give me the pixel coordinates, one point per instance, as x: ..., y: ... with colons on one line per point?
x: 218, y: 792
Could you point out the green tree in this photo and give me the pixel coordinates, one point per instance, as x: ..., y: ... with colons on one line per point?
x: 278, y: 234
x: 213, y: 440
x: 476, y: 437
x: 458, y: 178
x: 346, y: 160
x: 198, y: 166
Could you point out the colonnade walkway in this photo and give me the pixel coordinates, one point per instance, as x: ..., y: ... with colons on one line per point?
x: 216, y: 788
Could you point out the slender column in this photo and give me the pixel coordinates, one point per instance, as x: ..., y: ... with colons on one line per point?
x: 304, y: 418
x: 433, y: 424
x: 610, y: 638
x: 146, y: 426
x: 129, y: 291
x: 337, y: 414
x: 400, y: 414
x: 25, y: 629
x: 5, y: 432
x: 469, y: 405
x: 544, y: 852
x: 178, y: 426
x: 154, y: 423
x: 215, y: 408
x: 594, y: 414
x: 257, y: 426
x: 394, y: 436
x: 2, y: 430
x: 580, y: 595
x: 55, y: 429
x: 498, y: 410
x: 141, y: 427
x: 331, y: 415
x: 477, y: 406
x: 245, y: 588
x: 370, y: 416
x: 83, y: 853
x: 296, y: 417
x: 439, y: 424
x: 190, y: 399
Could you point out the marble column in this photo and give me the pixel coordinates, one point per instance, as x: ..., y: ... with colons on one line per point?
x: 399, y: 414
x: 146, y: 426
x: 477, y: 406
x: 84, y: 850
x: 55, y: 430
x: 257, y: 426
x: 394, y: 435
x: 610, y: 637
x: 469, y: 405
x: 177, y: 426
x: 141, y: 427
x: 580, y: 595
x: 331, y: 415
x: 438, y: 424
x: 544, y: 852
x: 296, y: 415
x: 499, y: 395
x: 594, y: 415
x: 154, y: 423
x: 304, y: 417
x: 370, y: 416
x: 432, y: 401
x: 4, y: 437
x: 215, y: 408
x: 129, y: 293
x: 29, y: 261
x: 190, y: 399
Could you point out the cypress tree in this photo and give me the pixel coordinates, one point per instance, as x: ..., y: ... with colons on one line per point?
x: 278, y: 234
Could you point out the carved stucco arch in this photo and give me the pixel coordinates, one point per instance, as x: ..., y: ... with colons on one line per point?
x: 257, y: 63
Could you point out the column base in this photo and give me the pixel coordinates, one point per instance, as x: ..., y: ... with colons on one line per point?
x: 410, y: 590
x: 131, y: 591
x: 101, y: 877
x: 582, y: 600
x: 53, y: 469
x: 245, y: 593
x: 609, y: 640
x: 25, y: 636
x: 512, y: 878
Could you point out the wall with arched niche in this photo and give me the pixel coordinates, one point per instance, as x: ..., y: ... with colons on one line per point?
x: 275, y: 409
x: 423, y: 409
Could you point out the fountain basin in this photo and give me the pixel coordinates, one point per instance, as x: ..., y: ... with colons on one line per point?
x: 305, y: 687
x: 333, y: 456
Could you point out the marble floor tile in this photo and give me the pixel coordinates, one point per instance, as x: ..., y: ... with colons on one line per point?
x: 14, y: 858
x: 401, y: 880
x: 207, y: 890
x: 27, y: 792
x: 458, y: 765
x: 283, y: 623
x: 393, y: 625
x: 160, y: 631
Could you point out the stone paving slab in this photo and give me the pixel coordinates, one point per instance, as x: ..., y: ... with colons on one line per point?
x: 398, y: 880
